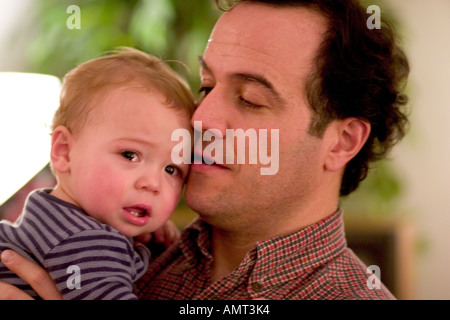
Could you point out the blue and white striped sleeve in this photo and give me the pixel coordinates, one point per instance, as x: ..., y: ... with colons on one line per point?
x: 95, y: 265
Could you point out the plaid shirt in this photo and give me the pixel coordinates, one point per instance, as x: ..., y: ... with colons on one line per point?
x: 313, y: 263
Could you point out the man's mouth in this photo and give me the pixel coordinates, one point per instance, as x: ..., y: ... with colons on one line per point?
x: 205, y: 164
x: 199, y: 159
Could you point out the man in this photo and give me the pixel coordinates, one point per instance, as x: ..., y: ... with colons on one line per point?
x: 330, y: 85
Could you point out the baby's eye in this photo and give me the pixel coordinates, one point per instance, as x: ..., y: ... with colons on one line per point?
x: 130, y: 155
x: 171, y: 170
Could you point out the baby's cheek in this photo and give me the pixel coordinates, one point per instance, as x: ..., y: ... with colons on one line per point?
x: 103, y: 187
x: 171, y: 203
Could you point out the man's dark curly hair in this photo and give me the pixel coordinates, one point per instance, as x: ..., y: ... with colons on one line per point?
x: 359, y: 72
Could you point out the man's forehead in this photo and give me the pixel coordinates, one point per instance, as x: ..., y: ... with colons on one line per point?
x: 254, y: 38
x: 263, y: 28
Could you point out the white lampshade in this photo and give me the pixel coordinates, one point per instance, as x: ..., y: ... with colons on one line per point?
x: 27, y: 104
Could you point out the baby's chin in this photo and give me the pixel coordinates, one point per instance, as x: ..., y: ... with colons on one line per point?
x: 137, y: 235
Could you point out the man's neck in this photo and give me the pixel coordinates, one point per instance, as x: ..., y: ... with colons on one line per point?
x: 229, y: 248
x: 228, y: 251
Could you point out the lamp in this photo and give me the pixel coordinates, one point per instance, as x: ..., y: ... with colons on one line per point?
x: 27, y: 104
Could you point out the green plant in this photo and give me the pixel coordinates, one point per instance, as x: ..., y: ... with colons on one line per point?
x: 170, y: 29
x: 377, y: 194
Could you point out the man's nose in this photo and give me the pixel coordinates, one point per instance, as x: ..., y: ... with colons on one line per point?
x: 212, y: 112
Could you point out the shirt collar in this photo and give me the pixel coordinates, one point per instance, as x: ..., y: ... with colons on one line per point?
x: 300, y: 253
x: 282, y: 258
x: 196, y: 239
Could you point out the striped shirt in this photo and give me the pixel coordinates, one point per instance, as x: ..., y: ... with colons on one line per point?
x: 87, y: 259
x: 313, y: 263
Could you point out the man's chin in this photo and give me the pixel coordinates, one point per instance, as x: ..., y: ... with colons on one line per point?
x: 195, y: 199
x: 203, y: 202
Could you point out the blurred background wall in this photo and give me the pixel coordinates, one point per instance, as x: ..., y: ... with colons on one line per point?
x: 423, y: 159
x: 412, y: 186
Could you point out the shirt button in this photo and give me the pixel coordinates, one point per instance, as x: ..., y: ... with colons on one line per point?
x: 256, y: 286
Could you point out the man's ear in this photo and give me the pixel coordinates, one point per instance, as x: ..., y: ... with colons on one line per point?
x: 60, y: 151
x: 348, y: 137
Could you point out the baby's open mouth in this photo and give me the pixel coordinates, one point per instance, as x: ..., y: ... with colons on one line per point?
x: 137, y: 212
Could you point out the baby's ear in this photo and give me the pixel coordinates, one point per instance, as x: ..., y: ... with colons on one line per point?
x: 59, y: 155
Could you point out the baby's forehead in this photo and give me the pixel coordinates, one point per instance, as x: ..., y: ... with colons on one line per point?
x: 128, y: 100
x: 145, y: 87
x: 134, y: 105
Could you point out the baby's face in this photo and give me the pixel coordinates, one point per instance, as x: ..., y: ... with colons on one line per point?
x: 121, y: 171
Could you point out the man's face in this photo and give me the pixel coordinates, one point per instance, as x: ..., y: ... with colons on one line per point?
x: 253, y: 74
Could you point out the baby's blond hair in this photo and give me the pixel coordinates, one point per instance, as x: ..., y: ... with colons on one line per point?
x: 125, y: 67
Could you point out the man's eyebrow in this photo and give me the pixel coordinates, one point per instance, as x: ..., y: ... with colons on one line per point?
x: 249, y: 77
x: 203, y: 64
x: 258, y: 79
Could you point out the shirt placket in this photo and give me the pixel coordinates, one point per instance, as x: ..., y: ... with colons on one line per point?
x: 233, y: 286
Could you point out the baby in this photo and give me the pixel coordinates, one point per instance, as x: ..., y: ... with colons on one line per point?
x: 111, y: 155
